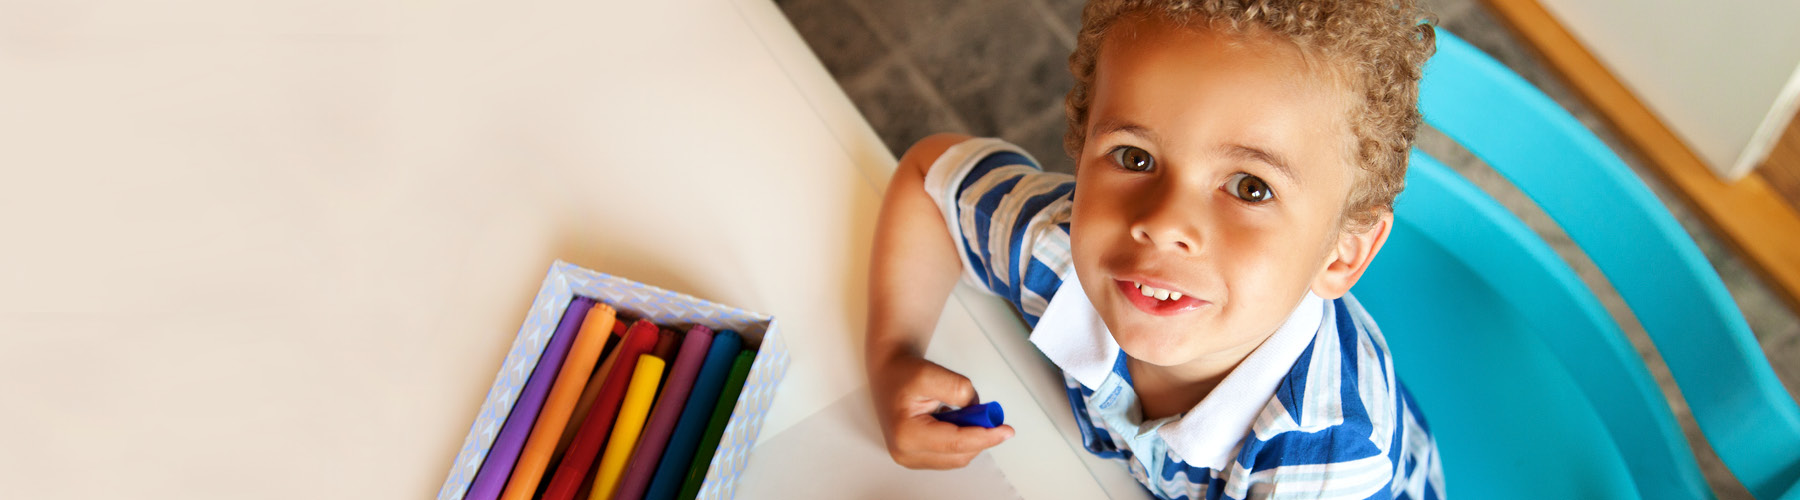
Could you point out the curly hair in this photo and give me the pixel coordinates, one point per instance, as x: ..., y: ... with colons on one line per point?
x: 1378, y: 48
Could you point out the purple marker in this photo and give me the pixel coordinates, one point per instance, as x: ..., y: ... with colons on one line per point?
x: 986, y: 415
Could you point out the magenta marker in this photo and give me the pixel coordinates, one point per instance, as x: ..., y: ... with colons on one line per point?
x: 986, y: 415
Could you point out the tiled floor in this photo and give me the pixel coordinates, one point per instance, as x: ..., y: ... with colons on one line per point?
x: 999, y: 68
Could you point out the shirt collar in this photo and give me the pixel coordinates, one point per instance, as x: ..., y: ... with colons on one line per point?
x: 1072, y: 335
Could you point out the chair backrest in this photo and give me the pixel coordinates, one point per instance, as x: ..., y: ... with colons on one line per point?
x: 1674, y: 293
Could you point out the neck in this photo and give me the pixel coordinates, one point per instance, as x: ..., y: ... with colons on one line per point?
x: 1172, y: 390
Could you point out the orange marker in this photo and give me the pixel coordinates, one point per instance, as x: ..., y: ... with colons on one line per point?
x: 588, y: 395
x: 569, y: 382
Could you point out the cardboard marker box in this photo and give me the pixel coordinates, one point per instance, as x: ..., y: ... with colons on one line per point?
x: 635, y: 300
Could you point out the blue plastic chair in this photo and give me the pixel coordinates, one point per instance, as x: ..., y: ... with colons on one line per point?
x: 1529, y: 386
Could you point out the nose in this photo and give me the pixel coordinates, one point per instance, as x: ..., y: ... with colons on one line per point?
x: 1165, y: 219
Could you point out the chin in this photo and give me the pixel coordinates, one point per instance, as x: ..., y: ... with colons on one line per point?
x: 1148, y: 348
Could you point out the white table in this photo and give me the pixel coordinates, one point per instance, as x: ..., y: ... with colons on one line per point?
x: 278, y: 249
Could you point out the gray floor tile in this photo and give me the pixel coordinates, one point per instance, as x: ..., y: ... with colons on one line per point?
x: 996, y: 71
x: 907, y: 21
x: 1069, y: 11
x: 901, y: 112
x: 1785, y: 346
x: 836, y: 33
x: 1043, y: 138
x: 1447, y: 11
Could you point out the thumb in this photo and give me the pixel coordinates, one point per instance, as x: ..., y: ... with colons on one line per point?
x: 949, y: 387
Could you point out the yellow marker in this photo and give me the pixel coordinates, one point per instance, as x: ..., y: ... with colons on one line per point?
x: 563, y: 395
x: 642, y: 392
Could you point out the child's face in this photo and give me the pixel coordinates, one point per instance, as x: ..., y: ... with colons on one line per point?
x: 1214, y: 167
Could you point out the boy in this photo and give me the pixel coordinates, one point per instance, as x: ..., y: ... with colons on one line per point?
x: 1236, y: 166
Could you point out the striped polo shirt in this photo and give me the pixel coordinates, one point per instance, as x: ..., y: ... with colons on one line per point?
x: 1314, y: 412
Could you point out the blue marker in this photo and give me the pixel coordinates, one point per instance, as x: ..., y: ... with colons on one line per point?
x: 986, y: 415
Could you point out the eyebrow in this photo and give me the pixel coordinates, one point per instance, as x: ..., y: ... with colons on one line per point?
x: 1113, y: 125
x: 1266, y: 157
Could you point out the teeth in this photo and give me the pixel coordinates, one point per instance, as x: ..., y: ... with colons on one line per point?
x: 1160, y: 294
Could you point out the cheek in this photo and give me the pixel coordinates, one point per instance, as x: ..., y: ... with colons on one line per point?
x: 1252, y: 238
x: 1266, y: 259
x: 1091, y: 217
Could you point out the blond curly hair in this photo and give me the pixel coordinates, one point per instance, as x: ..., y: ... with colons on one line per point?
x: 1378, y: 48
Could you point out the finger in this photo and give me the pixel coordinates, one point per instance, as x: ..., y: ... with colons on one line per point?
x: 956, y: 452
x: 935, y: 462
x: 976, y: 439
x: 941, y: 462
x: 946, y: 386
x: 934, y: 437
x: 921, y: 434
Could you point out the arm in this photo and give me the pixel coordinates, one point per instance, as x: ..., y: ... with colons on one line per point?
x: 913, y: 268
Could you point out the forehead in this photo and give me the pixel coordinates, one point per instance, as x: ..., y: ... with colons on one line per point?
x: 1200, y: 88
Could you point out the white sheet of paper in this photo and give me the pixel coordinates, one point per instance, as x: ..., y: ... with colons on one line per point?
x: 281, y: 247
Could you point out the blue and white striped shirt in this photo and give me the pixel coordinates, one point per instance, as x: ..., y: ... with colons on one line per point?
x: 1315, y: 412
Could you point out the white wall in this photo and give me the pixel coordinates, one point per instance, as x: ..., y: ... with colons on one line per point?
x: 1723, y: 74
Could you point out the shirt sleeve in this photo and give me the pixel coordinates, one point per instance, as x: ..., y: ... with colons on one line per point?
x: 1008, y: 218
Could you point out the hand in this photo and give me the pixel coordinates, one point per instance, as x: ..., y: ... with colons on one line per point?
x: 907, y: 390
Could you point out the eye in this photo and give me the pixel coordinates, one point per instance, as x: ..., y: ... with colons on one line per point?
x: 1132, y: 158
x: 1249, y: 188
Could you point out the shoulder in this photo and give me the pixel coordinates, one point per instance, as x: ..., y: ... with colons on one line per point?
x: 1345, y: 376
x: 1008, y: 218
x: 958, y: 167
x: 925, y: 153
x: 1337, y: 419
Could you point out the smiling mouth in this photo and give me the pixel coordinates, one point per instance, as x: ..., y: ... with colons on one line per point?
x: 1157, y: 301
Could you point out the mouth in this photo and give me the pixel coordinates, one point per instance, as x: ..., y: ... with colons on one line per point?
x: 1157, y: 301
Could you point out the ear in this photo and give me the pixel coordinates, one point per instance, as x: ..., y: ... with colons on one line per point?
x: 1351, y: 256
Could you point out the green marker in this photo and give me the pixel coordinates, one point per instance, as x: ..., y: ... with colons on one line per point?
x: 709, y: 442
